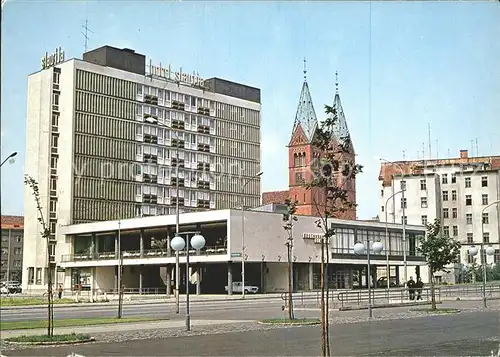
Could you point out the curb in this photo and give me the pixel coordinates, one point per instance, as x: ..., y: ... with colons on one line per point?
x: 306, y: 323
x: 381, y: 306
x: 55, y: 343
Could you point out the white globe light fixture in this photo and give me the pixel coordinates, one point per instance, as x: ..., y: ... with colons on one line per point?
x: 378, y: 247
x: 359, y: 248
x: 177, y: 243
x: 490, y: 250
x: 473, y: 251
x: 197, y: 241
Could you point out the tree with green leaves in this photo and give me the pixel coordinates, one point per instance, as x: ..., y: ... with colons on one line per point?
x: 45, y: 234
x: 289, y: 218
x: 439, y: 251
x: 327, y: 171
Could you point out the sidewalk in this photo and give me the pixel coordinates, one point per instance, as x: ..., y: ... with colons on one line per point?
x: 95, y: 329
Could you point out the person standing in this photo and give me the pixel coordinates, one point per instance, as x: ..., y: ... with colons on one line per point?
x: 59, y: 292
x: 411, y: 288
x: 419, y: 285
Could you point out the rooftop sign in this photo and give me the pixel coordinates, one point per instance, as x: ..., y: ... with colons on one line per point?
x: 52, y: 59
x: 193, y: 79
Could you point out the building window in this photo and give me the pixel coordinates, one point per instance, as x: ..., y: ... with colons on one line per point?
x: 18, y: 263
x: 404, y: 220
x: 53, y: 205
x: 53, y: 184
x: 485, y: 198
x: 470, y: 238
x: 446, y: 213
x: 423, y: 202
x: 19, y: 239
x: 496, y: 256
x: 468, y: 200
x: 18, y: 251
x: 31, y: 275
x: 381, y: 193
x: 299, y: 178
x: 455, y: 231
x: 403, y: 185
x: 445, y: 179
x: 484, y: 181
x: 38, y: 279
x: 467, y: 182
x: 403, y: 203
x: 424, y: 220
x: 446, y: 231
x: 423, y: 185
x: 454, y: 213
x: 55, y: 119
x: 55, y: 100
x: 382, y: 208
x: 486, y: 218
x: 53, y: 162
x: 470, y: 259
x: 486, y: 237
x: 453, y: 178
x: 468, y: 218
x: 445, y: 195
x: 55, y: 141
x: 454, y: 195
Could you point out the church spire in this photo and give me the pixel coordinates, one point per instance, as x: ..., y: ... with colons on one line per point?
x: 306, y: 115
x: 340, y: 128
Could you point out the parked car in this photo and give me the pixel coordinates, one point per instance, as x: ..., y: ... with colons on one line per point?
x: 11, y: 287
x: 238, y: 288
x: 382, y: 282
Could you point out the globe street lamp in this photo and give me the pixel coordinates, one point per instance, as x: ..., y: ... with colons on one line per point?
x: 178, y: 244
x: 387, y: 242
x: 359, y: 248
x: 485, y: 252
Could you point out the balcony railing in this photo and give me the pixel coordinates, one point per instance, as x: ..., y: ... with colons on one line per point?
x: 392, y: 252
x: 147, y: 253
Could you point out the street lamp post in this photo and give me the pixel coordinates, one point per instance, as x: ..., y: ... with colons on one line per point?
x: 403, y: 189
x: 484, y: 252
x: 178, y: 244
x: 177, y: 218
x: 120, y: 273
x: 8, y: 157
x: 243, y: 237
x: 359, y: 248
x: 387, y: 243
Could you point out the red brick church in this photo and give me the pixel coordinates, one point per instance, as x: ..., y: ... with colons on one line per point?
x: 302, y: 154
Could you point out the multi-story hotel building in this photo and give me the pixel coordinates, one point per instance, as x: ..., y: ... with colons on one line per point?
x: 12, y: 248
x: 464, y: 192
x: 114, y: 137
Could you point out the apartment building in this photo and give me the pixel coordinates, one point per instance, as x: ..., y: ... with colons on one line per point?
x: 463, y: 192
x: 113, y: 136
x: 12, y: 248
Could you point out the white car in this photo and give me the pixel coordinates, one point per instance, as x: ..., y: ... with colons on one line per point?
x: 238, y: 288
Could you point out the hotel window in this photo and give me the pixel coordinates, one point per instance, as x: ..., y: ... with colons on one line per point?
x: 453, y: 178
x: 423, y: 185
x: 445, y: 195
x: 55, y: 76
x: 53, y: 184
x: 467, y: 182
x: 485, y: 198
x: 468, y: 218
x: 445, y: 178
x: 404, y: 220
x: 55, y: 119
x: 424, y: 220
x: 486, y: 219
x: 55, y: 100
x: 470, y: 238
x: 484, y: 181
x: 455, y: 231
x: 55, y: 141
x: 446, y: 213
x: 423, y: 202
x: 468, y: 200
x: 403, y: 203
x: 486, y: 237
x: 446, y: 231
x: 454, y: 195
x: 53, y: 205
x: 454, y: 213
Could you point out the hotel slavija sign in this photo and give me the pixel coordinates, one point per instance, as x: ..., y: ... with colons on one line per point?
x: 193, y: 79
x: 53, y: 59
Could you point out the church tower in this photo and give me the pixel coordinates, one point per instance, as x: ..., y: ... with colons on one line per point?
x: 302, y: 154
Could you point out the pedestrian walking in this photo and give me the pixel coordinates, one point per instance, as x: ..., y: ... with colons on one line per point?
x: 419, y: 285
x: 411, y: 288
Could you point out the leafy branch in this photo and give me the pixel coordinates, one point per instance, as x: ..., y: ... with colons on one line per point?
x: 289, y: 218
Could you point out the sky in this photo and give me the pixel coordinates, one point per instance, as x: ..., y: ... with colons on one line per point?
x: 402, y: 67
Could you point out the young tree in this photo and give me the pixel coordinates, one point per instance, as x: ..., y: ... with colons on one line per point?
x: 439, y: 251
x: 288, y: 218
x: 45, y: 234
x: 327, y: 172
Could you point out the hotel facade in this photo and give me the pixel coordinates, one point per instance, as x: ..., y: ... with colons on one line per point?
x: 113, y: 136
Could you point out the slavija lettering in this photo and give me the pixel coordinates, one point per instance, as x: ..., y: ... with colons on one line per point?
x: 53, y: 59
x: 167, y: 72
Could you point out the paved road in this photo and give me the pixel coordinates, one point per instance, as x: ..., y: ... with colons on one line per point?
x: 475, y: 333
x: 244, y: 309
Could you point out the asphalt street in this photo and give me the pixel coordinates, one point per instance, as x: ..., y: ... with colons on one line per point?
x: 233, y: 309
x: 465, y: 334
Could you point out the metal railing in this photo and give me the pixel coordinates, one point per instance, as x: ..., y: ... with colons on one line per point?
x: 384, y: 297
x: 147, y: 253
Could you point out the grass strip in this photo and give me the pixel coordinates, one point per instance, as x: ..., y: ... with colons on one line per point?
x: 21, y: 301
x: 437, y: 311
x: 27, y: 325
x: 286, y: 321
x: 71, y: 337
